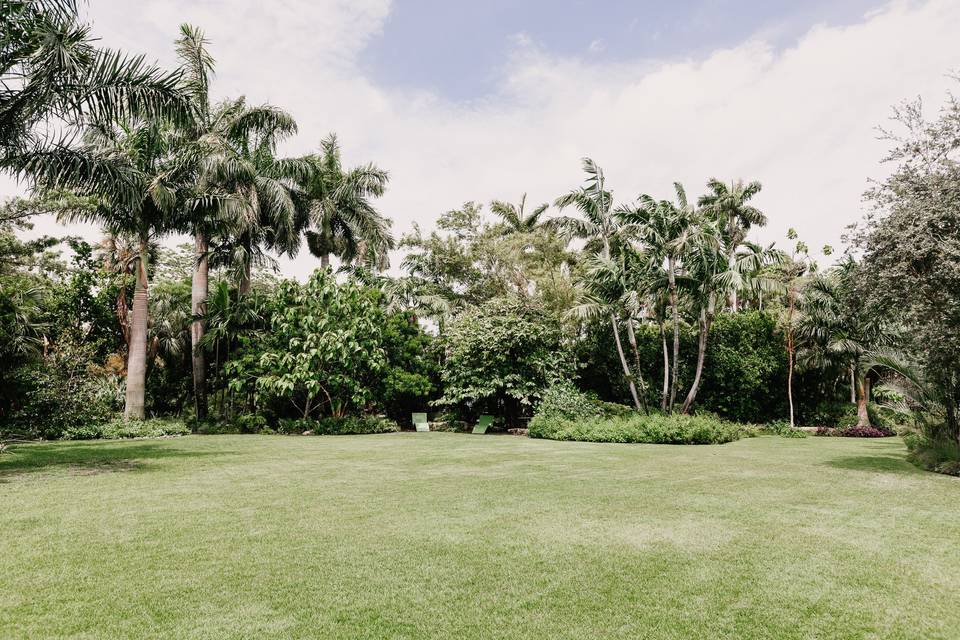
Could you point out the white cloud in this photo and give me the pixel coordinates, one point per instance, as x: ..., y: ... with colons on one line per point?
x: 801, y: 120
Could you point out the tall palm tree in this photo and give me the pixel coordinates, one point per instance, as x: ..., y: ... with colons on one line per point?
x: 197, y: 65
x: 713, y: 277
x: 139, y: 196
x: 599, y: 227
x: 344, y: 220
x: 729, y: 205
x: 667, y: 231
x: 514, y: 218
x: 241, y: 159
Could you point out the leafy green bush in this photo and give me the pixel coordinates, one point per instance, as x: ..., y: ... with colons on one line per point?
x: 62, y: 398
x: 500, y: 355
x: 119, y: 428
x: 333, y: 426
x: 939, y: 455
x: 565, y: 400
x: 650, y: 429
x: 783, y: 429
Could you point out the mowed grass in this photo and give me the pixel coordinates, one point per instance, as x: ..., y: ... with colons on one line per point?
x: 456, y: 536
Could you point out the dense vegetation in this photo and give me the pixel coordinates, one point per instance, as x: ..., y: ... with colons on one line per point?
x: 664, y: 305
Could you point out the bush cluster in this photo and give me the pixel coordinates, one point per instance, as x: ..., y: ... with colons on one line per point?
x: 942, y: 456
x: 855, y: 432
x: 637, y: 428
x: 118, y: 428
x: 332, y: 426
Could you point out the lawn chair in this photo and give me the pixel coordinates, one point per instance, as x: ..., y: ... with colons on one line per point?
x: 482, y: 424
x: 420, y: 421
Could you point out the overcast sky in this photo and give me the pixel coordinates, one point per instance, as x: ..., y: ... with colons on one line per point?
x: 463, y: 100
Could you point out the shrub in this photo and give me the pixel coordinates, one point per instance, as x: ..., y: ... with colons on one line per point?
x: 63, y: 399
x: 939, y: 455
x: 119, y: 428
x: 650, y: 429
x: 783, y: 429
x: 501, y: 355
x: 565, y: 400
x: 854, y: 432
x: 333, y: 426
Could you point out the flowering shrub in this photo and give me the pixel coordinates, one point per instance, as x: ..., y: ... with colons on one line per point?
x: 855, y: 432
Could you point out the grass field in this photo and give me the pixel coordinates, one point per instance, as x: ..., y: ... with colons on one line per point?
x: 456, y: 536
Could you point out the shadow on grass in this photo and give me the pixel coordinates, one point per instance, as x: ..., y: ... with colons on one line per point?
x: 889, y: 458
x: 87, y: 459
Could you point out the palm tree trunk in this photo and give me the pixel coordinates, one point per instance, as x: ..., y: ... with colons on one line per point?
x: 853, y: 387
x: 324, y: 260
x: 706, y: 319
x: 863, y: 417
x: 244, y: 286
x: 137, y: 353
x: 676, y: 332
x: 790, y: 350
x: 632, y: 338
x: 665, y: 395
x: 198, y: 303
x: 623, y: 361
x: 790, y: 385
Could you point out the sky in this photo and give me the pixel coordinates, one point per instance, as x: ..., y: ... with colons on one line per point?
x: 464, y: 100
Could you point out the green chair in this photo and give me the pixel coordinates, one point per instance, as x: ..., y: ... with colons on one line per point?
x: 482, y: 424
x: 420, y: 421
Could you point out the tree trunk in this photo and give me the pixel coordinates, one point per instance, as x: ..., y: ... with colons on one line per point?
x: 706, y: 320
x: 790, y: 385
x: 676, y: 332
x: 137, y: 354
x: 243, y: 287
x: 623, y: 361
x: 853, y: 387
x: 790, y: 351
x: 198, y: 308
x: 632, y: 338
x: 665, y: 395
x: 324, y: 260
x: 863, y: 418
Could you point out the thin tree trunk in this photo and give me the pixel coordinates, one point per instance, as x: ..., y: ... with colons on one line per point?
x: 853, y: 387
x: 793, y: 302
x: 863, y: 417
x: 198, y: 308
x: 676, y: 333
x: 632, y: 338
x: 790, y: 385
x: 706, y: 320
x: 623, y: 361
x: 665, y: 395
x: 137, y: 353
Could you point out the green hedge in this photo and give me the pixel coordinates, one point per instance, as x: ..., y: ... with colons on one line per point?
x: 636, y: 428
x: 348, y: 425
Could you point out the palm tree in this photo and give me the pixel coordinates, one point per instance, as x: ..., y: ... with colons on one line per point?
x: 241, y: 159
x: 138, y: 196
x: 728, y: 204
x: 666, y: 230
x: 712, y: 277
x: 514, y: 218
x: 345, y: 222
x: 599, y: 227
x: 835, y: 330
x: 52, y: 72
x: 614, y: 287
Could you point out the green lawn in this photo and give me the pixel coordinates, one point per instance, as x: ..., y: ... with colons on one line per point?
x: 457, y: 536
